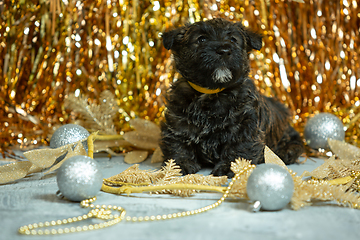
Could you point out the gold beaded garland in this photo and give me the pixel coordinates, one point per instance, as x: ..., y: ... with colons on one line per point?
x: 103, y: 213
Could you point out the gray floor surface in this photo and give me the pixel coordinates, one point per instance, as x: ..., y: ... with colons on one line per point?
x: 33, y: 200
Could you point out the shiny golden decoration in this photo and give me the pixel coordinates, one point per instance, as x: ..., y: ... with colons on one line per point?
x: 135, y: 156
x: 271, y: 157
x: 95, y: 117
x: 99, y: 119
x: 146, y: 136
x: 39, y: 160
x: 157, y: 156
x: 166, y: 180
x: 344, y: 150
x: 99, y: 212
x: 313, y: 190
x: 343, y: 170
x: 52, y: 49
x: 14, y: 171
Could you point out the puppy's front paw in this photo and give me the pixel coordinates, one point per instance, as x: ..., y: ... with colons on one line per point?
x: 189, y: 168
x: 222, y: 169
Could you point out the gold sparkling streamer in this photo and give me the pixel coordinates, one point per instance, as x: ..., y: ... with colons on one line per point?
x: 54, y: 9
x: 50, y: 49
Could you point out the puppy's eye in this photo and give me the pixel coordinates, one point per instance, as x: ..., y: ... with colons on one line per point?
x: 201, y: 39
x: 233, y: 40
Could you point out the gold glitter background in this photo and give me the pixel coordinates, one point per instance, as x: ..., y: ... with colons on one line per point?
x: 52, y: 48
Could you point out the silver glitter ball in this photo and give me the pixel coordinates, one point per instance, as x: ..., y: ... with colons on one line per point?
x: 79, y: 178
x: 271, y: 185
x: 321, y: 127
x: 67, y: 134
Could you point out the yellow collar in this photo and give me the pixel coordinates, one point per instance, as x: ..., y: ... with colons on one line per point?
x: 205, y: 90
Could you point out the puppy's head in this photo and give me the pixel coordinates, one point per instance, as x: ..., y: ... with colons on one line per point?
x: 213, y: 53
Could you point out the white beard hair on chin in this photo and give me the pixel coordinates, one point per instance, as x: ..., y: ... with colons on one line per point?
x: 222, y: 75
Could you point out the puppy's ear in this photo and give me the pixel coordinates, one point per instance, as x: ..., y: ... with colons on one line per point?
x: 254, y: 40
x: 170, y: 38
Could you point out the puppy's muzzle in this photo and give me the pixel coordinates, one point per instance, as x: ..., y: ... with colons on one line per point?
x: 223, y: 50
x: 222, y: 75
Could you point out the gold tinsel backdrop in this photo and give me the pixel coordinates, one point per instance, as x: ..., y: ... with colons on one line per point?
x: 50, y: 49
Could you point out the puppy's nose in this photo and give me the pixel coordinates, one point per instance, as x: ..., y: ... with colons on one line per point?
x: 223, y: 51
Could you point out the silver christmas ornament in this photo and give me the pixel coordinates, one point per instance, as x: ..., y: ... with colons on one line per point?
x: 271, y: 186
x: 67, y: 134
x: 79, y: 178
x: 321, y: 127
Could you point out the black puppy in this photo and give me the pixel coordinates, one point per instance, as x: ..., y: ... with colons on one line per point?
x: 214, y: 112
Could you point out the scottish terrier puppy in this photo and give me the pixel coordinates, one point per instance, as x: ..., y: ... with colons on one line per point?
x: 214, y: 112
